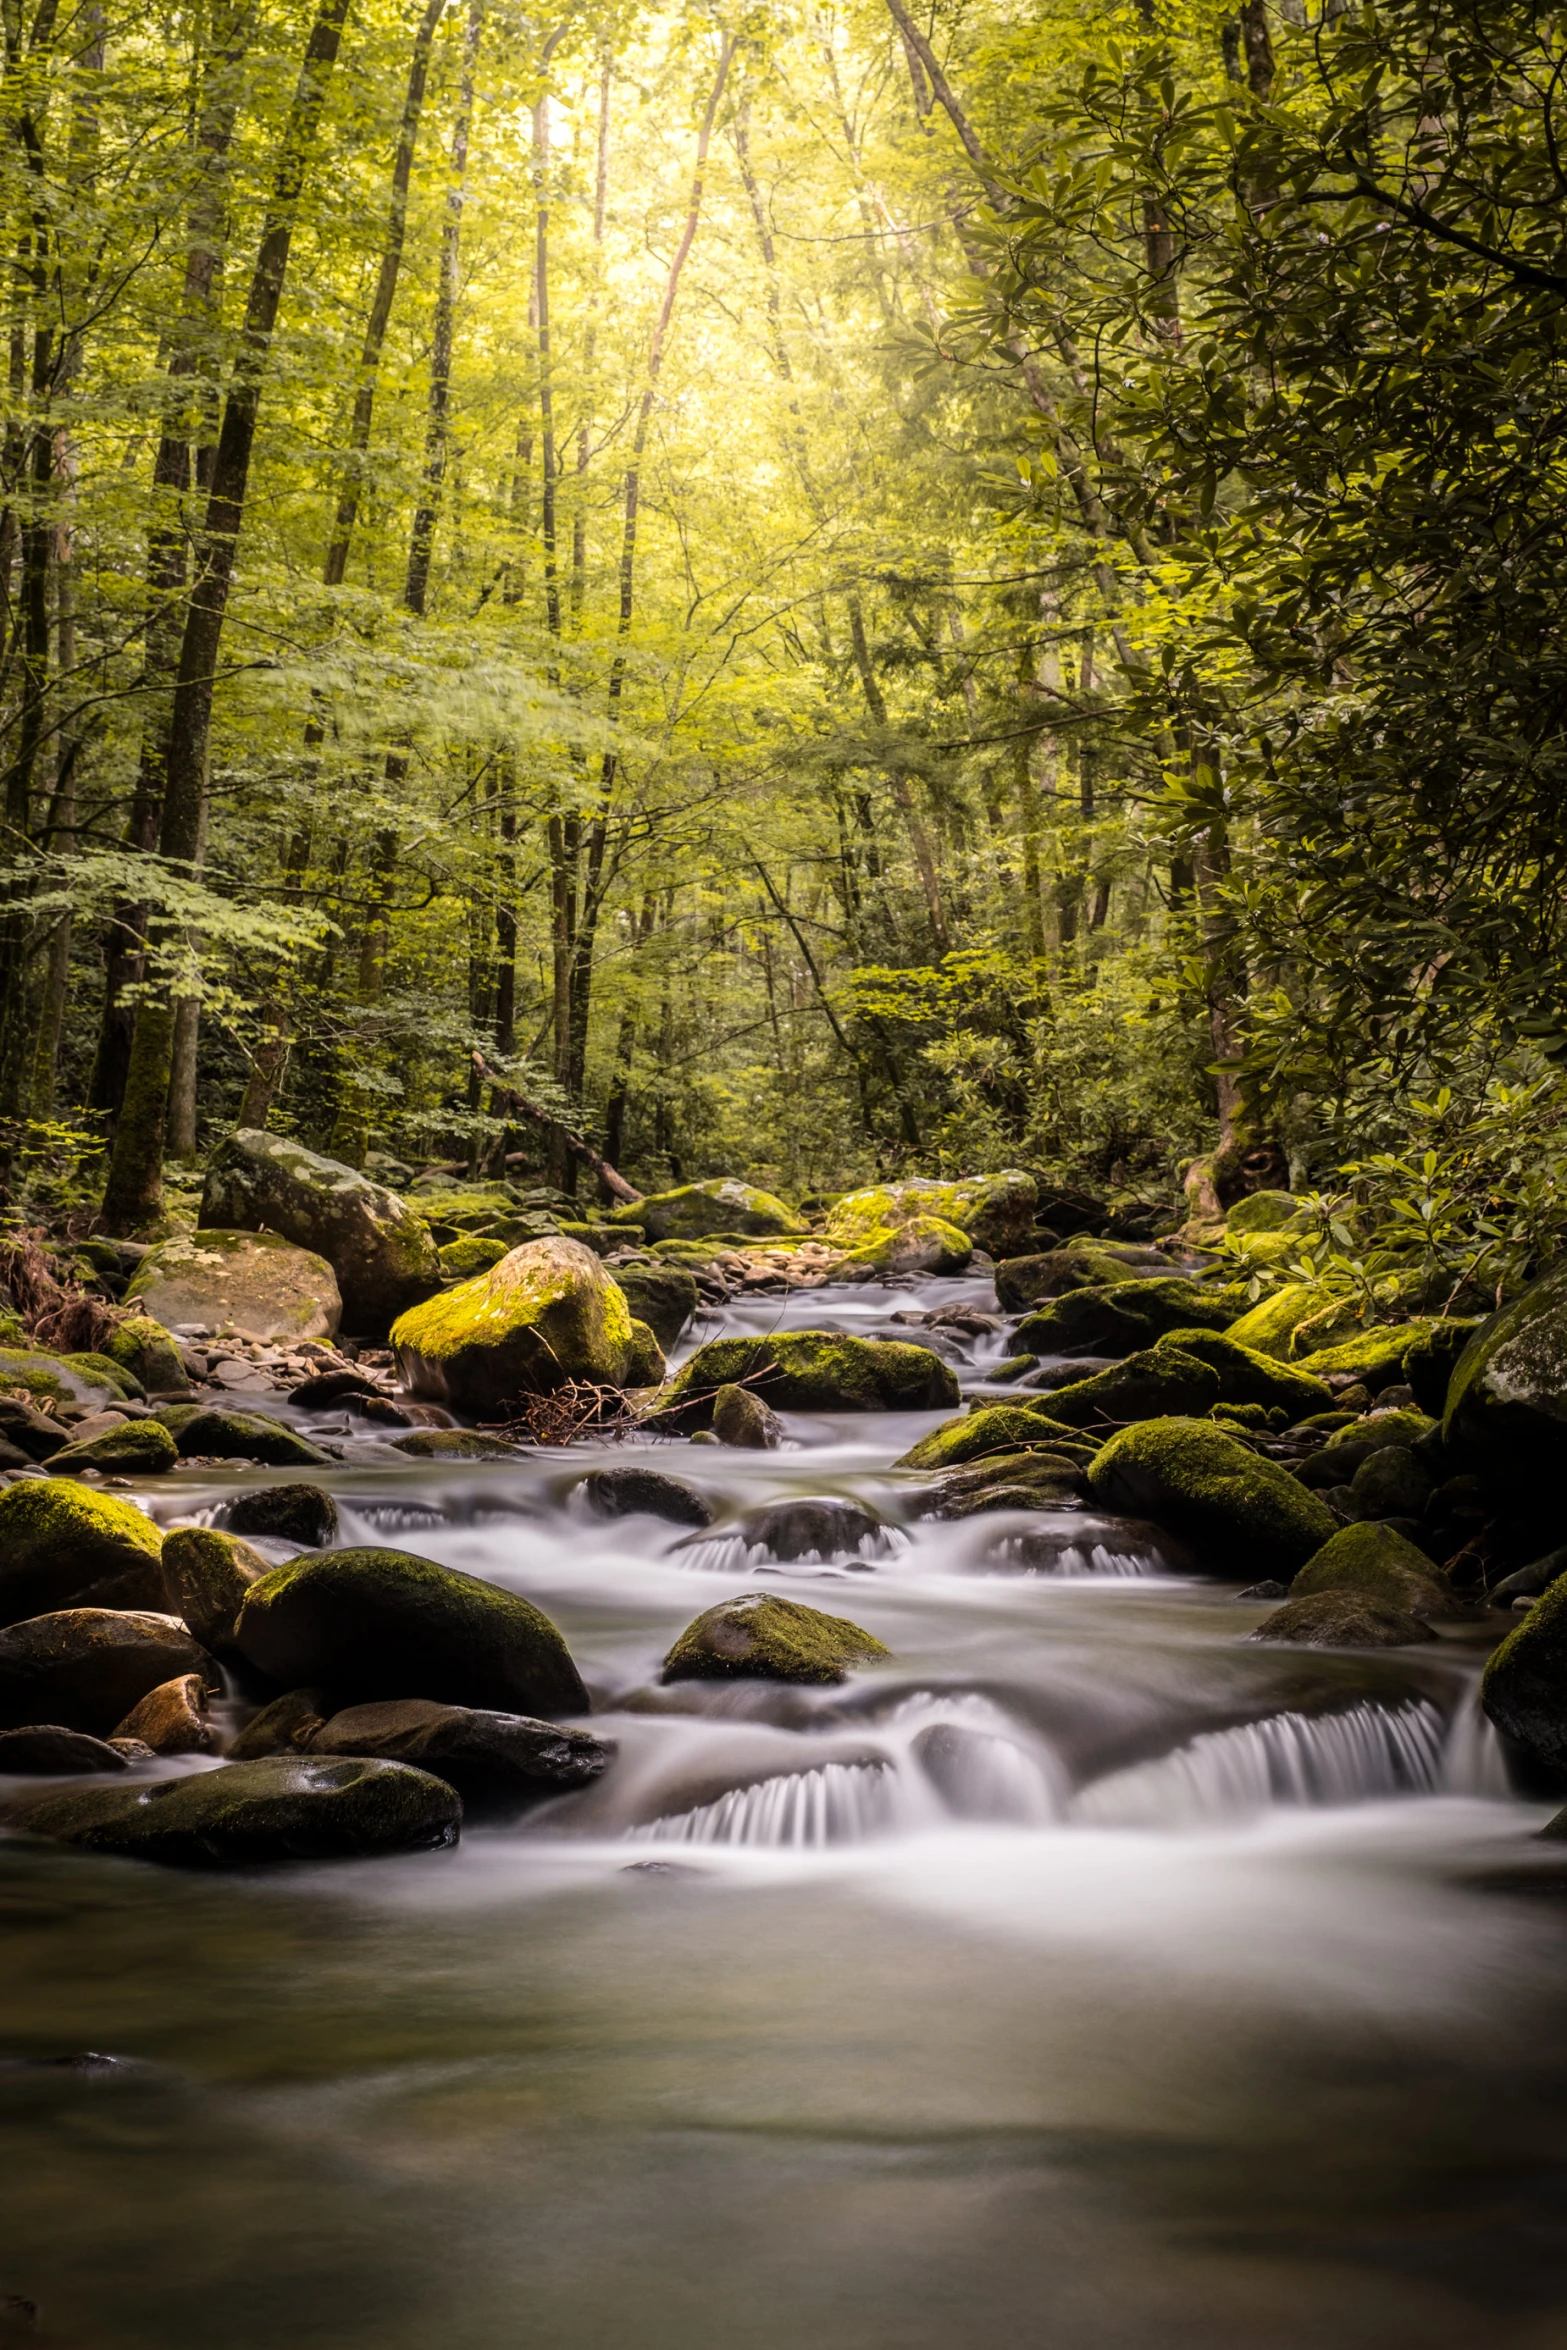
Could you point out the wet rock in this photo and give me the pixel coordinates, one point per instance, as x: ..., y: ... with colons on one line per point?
x: 996, y: 1428
x: 1528, y: 1582
x: 807, y: 1370
x: 252, y: 1283
x: 1524, y: 1688
x: 995, y: 1212
x: 286, y: 1726
x: 548, y: 1313
x: 1247, y: 1377
x: 1380, y: 1562
x: 303, y: 1807
x: 743, y: 1420
x: 762, y: 1636
x: 1007, y: 1481
x: 624, y: 1493
x: 136, y: 1448
x: 813, y: 1527
x: 721, y: 1204
x: 1121, y: 1318
x: 474, y: 1252
x: 35, y: 1434
x: 486, y: 1756
x: 1391, y: 1483
x: 85, y: 1667
x: 1268, y: 1590
x: 1022, y: 1282
x: 61, y: 1540
x: 1243, y: 1513
x: 306, y: 1514
x: 206, y: 1575
x: 48, y: 1751
x: 143, y: 1347
x: 377, y: 1623
x: 171, y: 1719
x: 377, y: 1245
x: 454, y: 1444
x: 329, y: 1387
x: 1506, y: 1412
x: 248, y: 1436
x: 664, y: 1296
x: 1155, y: 1384
x: 1341, y: 1619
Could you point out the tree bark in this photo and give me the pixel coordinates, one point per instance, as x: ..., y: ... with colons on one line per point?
x: 614, y: 1183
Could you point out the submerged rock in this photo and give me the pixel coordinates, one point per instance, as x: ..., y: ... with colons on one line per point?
x: 625, y: 1493
x: 49, y: 1751
x: 85, y: 1667
x: 548, y: 1313
x: 136, y: 1448
x: 379, y: 1623
x: 484, y: 1755
x: 247, y: 1436
x: 378, y: 1247
x: 765, y: 1637
x: 252, y: 1283
x: 59, y: 1542
x: 720, y: 1204
x: 743, y: 1420
x: 807, y: 1370
x: 1245, y: 1515
x: 171, y: 1719
x: 303, y: 1807
x: 815, y: 1526
x: 206, y: 1575
x: 1341, y: 1619
x: 285, y: 1513
x: 1379, y: 1561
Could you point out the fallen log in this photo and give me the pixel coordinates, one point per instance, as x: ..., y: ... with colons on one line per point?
x: 518, y: 1105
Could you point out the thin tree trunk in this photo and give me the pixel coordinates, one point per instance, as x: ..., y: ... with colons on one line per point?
x: 438, y: 424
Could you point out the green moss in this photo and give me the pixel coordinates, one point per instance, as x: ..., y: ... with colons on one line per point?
x: 645, y: 1365
x: 808, y: 1370
x: 112, y: 1373
x: 55, y: 1378
x: 253, y: 1282
x: 453, y: 1444
x: 1406, y: 1426
x: 1341, y: 1619
x: 1246, y: 1515
x: 1013, y: 1368
x: 461, y: 1259
x: 1506, y: 1407
x: 763, y: 1636
x: 546, y: 1314
x: 1247, y: 1376
x: 1005, y: 1428
x: 60, y: 1538
x: 145, y: 1348
x: 606, y: 1240
x: 206, y: 1575
x: 137, y: 1448
x: 919, y: 1244
x: 663, y: 1296
x: 1376, y: 1355
x: 1268, y: 1211
x: 1297, y: 1320
x: 995, y: 1211
x: 1124, y: 1316
x: 721, y: 1204
x: 1378, y: 1561
x: 1147, y: 1386
x: 1524, y: 1686
x: 1253, y: 1416
x: 1005, y: 1481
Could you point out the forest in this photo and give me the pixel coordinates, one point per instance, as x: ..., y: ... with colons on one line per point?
x: 994, y: 579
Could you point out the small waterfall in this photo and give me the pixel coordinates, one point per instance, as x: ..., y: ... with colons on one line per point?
x: 1474, y: 1763
x: 391, y: 1517
x: 1357, y: 1756
x: 733, y: 1554
x: 1037, y: 1555
x: 837, y: 1803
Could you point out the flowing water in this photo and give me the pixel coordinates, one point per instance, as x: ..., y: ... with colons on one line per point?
x: 1081, y: 1976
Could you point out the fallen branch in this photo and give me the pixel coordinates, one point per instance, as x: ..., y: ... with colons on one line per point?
x: 615, y: 1184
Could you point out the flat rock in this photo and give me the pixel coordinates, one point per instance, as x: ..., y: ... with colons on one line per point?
x: 253, y: 1283
x: 486, y: 1756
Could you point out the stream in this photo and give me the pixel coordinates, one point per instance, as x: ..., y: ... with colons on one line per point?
x: 1082, y: 1975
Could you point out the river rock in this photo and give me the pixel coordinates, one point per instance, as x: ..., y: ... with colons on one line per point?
x: 1247, y: 1377
x: 1117, y: 1319
x: 286, y: 1726
x: 1245, y: 1515
x: 743, y: 1420
x: 919, y: 1244
x: 1006, y: 1481
x: 1385, y: 1566
x: 1375, y: 1358
x: 378, y: 1246
x: 454, y: 1444
x: 143, y: 1347
x: 662, y: 1295
x: 485, y: 1756
x: 85, y: 1667
x: 206, y: 1575
x: 996, y: 1212
x: 302, y: 1807
x: 805, y: 1371
x: 48, y: 1751
x: 720, y: 1204
x: 305, y: 1514
x: 1298, y: 1319
x: 1506, y: 1413
x: 379, y: 1623
x: 624, y: 1493
x: 59, y: 1542
x: 994, y: 1428
x: 61, y: 1379
x: 1391, y: 1483
x: 473, y: 1252
x: 1155, y: 1384
x: 136, y: 1448
x: 547, y: 1314
x: 1341, y: 1619
x: 1022, y: 1282
x: 764, y: 1637
x: 248, y: 1436
x: 35, y: 1434
x: 171, y: 1719
x: 1524, y: 1687
x: 1268, y: 1211
x: 251, y: 1283
x: 813, y: 1526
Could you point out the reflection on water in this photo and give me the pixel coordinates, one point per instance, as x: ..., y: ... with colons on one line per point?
x: 1081, y: 1976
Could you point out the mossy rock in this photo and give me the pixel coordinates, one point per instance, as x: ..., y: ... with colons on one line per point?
x: 1378, y: 1561
x: 605, y: 1239
x: 253, y: 1283
x: 1246, y: 1516
x: 1254, y: 1418
x: 1391, y: 1483
x: 645, y: 1364
x: 1268, y: 1211
x: 997, y: 1428
x: 59, y: 1541
x: 1121, y: 1318
x: 807, y: 1371
x: 474, y: 1253
x: 378, y: 1247
x: 1429, y: 1365
x: 377, y: 1623
x: 137, y: 1448
x: 285, y: 1807
x: 1158, y: 1383
x: 102, y: 1368
x: 763, y: 1637
x: 247, y: 1436
x: 1375, y: 1357
x: 56, y: 1379
x: 143, y: 1347
x: 664, y: 1296
x: 742, y: 1420
x: 720, y: 1204
x: 1405, y: 1426
x: 919, y: 1244
x: 1249, y: 1377
x: 301, y: 1513
x: 206, y: 1575
x: 1506, y: 1410
x: 1341, y: 1619
x: 85, y: 1667
x: 454, y: 1444
x: 1524, y: 1686
x: 1297, y: 1321
x: 1022, y: 1282
x: 1006, y: 1481
x: 547, y: 1314
x: 995, y: 1211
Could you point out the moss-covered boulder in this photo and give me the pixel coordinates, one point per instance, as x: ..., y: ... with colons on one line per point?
x: 720, y: 1204
x: 61, y: 1542
x: 1391, y: 1483
x: 1506, y: 1411
x: 807, y: 1371
x: 1379, y: 1561
x: 247, y: 1436
x: 454, y: 1444
x: 1118, y: 1319
x: 1005, y: 1481
x: 97, y: 1367
x: 474, y: 1253
x: 1026, y: 1281
x: 1375, y: 1357
x: 1372, y: 1430
x: 1247, y: 1517
x: 1299, y: 1319
x: 137, y: 1448
x: 384, y: 1623
x: 995, y: 1428
x: 488, y: 1757
x: 664, y: 1296
x: 255, y: 1284
x: 1159, y: 1383
x: 59, y: 1378
x: 1268, y: 1211
x: 306, y: 1514
x: 995, y: 1211
x: 918, y: 1244
x: 206, y: 1575
x: 148, y: 1351
x: 1341, y: 1619
x: 741, y: 1419
x: 378, y: 1246
x: 548, y: 1313
x: 645, y: 1364
x: 1524, y: 1688
x: 763, y: 1637
x: 1248, y: 1377
x: 305, y: 1807
x: 85, y: 1667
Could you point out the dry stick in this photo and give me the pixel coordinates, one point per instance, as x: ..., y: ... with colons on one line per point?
x: 614, y: 1183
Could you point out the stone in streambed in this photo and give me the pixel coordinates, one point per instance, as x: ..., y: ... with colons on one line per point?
x: 85, y: 1667
x: 1247, y: 1377
x: 1379, y: 1562
x: 1245, y: 1515
x: 47, y: 1751
x: 720, y: 1204
x: 486, y: 1756
x: 143, y: 1347
x: 454, y: 1444
x: 35, y: 1434
x: 547, y: 1314
x: 305, y: 1514
x: 61, y: 1541
x: 1391, y: 1483
x: 247, y: 1436
x: 1122, y: 1317
x: 473, y: 1252
x: 1341, y: 1619
x: 378, y: 1246
x: 1430, y: 1363
x: 1006, y: 1481
x: 664, y: 1296
x: 806, y: 1370
x: 171, y: 1719
x: 1000, y: 1427
x: 1374, y: 1357
x: 1159, y: 1383
x: 206, y: 1575
x: 252, y: 1283
x: 136, y: 1448
x: 299, y: 1807
x: 624, y: 1493
x: 919, y: 1244
x: 744, y: 1421
x: 377, y: 1623
x: 286, y: 1726
x: 764, y: 1637
x: 1022, y: 1282
x: 815, y: 1526
x: 996, y: 1211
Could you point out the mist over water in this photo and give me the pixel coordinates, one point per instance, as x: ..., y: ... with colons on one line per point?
x: 1080, y: 1975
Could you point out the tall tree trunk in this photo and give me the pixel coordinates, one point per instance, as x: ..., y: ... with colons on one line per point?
x: 438, y: 422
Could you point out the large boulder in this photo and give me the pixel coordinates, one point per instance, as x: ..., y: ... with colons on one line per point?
x: 63, y: 1545
x: 1005, y: 1481
x: 370, y: 1624
x: 664, y: 1296
x: 807, y: 1371
x: 252, y: 1283
x: 46, y: 1751
x: 1121, y: 1317
x: 1506, y: 1409
x: 85, y: 1667
x: 380, y: 1249
x: 136, y: 1448
x: 1378, y: 1561
x: 1246, y: 1516
x: 1246, y: 1376
x: 205, y: 1578
x: 764, y: 1637
x: 286, y: 1807
x: 246, y: 1436
x: 1158, y: 1383
x: 547, y: 1314
x: 996, y: 1211
x: 1524, y: 1687
x: 721, y: 1204
x: 1375, y: 1357
x: 918, y: 1244
x: 1299, y: 1319
x: 51, y: 1378
x: 487, y: 1757
x: 1429, y: 1365
x: 144, y: 1348
x: 1026, y: 1281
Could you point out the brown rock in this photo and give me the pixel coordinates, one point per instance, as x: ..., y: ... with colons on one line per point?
x: 85, y: 1667
x: 286, y: 1726
x: 172, y: 1719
